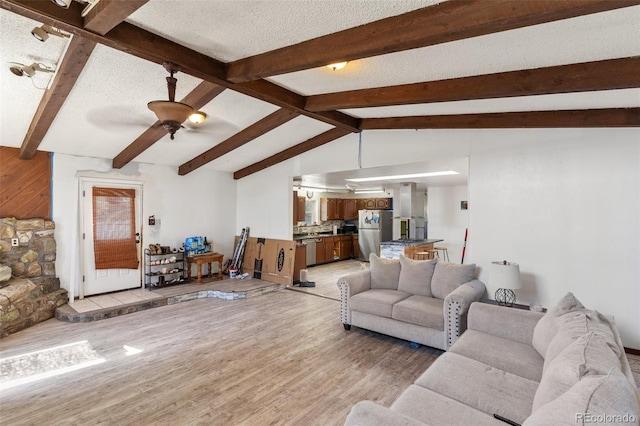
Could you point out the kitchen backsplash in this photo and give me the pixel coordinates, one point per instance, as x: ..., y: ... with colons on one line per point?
x: 317, y: 229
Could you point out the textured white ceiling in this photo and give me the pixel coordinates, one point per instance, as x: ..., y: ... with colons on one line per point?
x: 107, y: 109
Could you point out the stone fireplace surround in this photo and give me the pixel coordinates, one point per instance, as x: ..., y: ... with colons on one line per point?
x: 33, y: 292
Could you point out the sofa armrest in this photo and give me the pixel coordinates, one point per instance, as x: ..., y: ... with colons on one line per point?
x: 456, y: 306
x: 349, y: 285
x: 501, y: 321
x: 371, y: 414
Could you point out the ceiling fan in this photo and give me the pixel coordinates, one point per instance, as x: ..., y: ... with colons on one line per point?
x: 171, y: 113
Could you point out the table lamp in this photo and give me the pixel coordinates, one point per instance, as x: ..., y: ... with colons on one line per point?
x: 506, y: 276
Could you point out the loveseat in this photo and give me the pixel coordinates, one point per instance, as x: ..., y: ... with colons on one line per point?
x: 422, y: 301
x: 565, y: 367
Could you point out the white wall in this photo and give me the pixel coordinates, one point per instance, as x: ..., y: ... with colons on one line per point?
x: 446, y: 220
x: 563, y: 203
x: 200, y: 203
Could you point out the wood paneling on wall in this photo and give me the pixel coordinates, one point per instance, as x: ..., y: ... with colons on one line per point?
x: 25, y: 185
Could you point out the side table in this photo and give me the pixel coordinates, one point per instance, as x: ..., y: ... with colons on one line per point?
x: 207, y: 258
x: 515, y: 305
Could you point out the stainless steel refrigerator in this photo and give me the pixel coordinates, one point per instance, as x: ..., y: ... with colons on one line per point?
x: 374, y: 227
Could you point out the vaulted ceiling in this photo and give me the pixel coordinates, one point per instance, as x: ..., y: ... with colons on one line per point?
x: 257, y: 69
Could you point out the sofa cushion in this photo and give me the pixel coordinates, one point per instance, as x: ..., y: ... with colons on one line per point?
x: 377, y: 301
x: 588, y: 355
x: 546, y: 328
x: 578, y: 323
x: 432, y: 408
x: 504, y: 354
x: 415, y: 275
x: 385, y: 273
x: 420, y: 310
x: 480, y: 386
x: 449, y: 276
x: 604, y: 399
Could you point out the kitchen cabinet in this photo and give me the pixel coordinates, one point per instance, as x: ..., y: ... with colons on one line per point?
x: 350, y: 209
x: 383, y: 203
x: 355, y: 247
x: 339, y: 209
x: 301, y: 208
x: 320, y: 246
x: 344, y: 247
x: 329, y: 249
x: 329, y: 209
x: 298, y: 208
x: 300, y: 261
x: 373, y: 204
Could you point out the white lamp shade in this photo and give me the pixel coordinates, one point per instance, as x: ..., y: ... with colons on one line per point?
x: 505, y: 275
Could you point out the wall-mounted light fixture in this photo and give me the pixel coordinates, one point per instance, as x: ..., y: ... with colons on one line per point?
x: 42, y: 32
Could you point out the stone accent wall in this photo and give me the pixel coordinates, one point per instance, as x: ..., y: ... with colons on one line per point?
x: 33, y: 293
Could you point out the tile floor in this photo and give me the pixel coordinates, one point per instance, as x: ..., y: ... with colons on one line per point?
x: 93, y: 303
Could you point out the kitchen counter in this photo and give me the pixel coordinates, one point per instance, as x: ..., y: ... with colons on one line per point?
x: 393, y: 249
x: 310, y: 237
x: 410, y: 243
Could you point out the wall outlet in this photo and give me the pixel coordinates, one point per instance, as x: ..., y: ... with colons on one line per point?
x: 15, y: 242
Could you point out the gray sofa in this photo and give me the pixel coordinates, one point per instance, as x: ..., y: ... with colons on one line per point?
x: 422, y: 301
x: 565, y: 367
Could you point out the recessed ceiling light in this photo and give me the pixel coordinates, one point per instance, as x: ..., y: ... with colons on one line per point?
x: 409, y: 176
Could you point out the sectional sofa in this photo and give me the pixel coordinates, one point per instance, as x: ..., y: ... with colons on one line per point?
x: 514, y: 366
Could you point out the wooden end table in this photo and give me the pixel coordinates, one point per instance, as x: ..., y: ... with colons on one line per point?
x: 207, y: 258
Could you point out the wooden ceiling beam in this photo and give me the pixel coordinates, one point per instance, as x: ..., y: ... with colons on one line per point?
x: 67, y: 74
x: 246, y: 135
x: 608, y: 117
x: 441, y: 23
x: 291, y: 152
x: 146, y: 45
x: 609, y: 74
x: 204, y: 93
x: 106, y: 14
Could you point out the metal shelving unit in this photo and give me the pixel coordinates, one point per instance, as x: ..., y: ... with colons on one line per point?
x: 164, y: 269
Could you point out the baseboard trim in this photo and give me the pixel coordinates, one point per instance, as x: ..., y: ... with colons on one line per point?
x: 632, y: 351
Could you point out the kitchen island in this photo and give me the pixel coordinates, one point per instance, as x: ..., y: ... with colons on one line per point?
x: 394, y: 248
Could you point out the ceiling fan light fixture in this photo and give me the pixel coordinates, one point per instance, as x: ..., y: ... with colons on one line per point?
x: 198, y: 117
x: 337, y: 66
x: 171, y: 114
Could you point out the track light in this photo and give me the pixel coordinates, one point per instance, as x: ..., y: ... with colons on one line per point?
x: 89, y: 5
x: 62, y: 3
x: 42, y: 32
x: 28, y: 70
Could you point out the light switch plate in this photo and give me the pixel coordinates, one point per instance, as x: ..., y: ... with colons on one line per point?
x: 15, y: 242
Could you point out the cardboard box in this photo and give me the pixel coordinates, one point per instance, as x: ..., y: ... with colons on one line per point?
x: 270, y: 260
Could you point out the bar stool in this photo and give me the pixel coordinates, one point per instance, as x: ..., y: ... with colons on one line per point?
x: 421, y: 255
x: 445, y: 253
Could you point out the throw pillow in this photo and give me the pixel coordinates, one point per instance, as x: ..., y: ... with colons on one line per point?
x: 547, y: 328
x: 415, y: 275
x: 588, y: 355
x: 449, y: 276
x: 606, y: 399
x: 385, y: 273
x: 575, y: 324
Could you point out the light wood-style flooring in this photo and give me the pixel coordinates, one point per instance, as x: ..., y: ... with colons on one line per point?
x: 282, y: 358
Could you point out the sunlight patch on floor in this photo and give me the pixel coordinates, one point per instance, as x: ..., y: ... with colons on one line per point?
x: 37, y: 365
